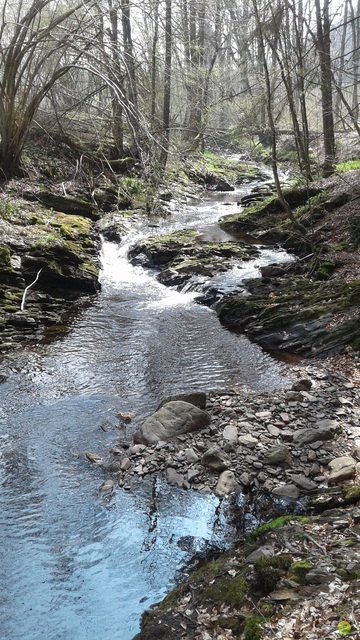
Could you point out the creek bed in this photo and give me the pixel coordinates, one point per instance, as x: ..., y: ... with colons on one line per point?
x: 76, y: 564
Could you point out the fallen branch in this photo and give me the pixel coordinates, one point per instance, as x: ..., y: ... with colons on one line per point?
x: 27, y: 289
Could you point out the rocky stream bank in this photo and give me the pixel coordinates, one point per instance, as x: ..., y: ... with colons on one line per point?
x: 295, y: 451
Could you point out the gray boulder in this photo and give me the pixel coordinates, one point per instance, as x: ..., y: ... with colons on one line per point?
x: 173, y: 419
x: 197, y: 398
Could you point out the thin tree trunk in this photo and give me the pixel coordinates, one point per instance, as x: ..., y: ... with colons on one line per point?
x: 167, y: 83
x: 323, y: 47
x: 154, y: 62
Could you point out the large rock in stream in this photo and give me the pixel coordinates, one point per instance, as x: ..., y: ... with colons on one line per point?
x: 171, y: 420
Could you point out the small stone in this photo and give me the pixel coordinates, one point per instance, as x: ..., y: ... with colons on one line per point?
x: 193, y: 473
x: 258, y: 465
x: 356, y: 515
x: 278, y: 455
x: 356, y: 453
x: 284, y: 595
x: 268, y: 484
x: 304, y: 384
x: 315, y: 445
x: 136, y: 449
x: 93, y: 457
x: 245, y: 479
x: 126, y: 417
x: 226, y: 483
x: 113, y: 467
x: 125, y: 464
x: 319, y: 575
x: 314, y: 469
x: 303, y: 482
x: 274, y: 431
x: 248, y: 440
x: 107, y: 486
x: 174, y: 478
x: 215, y: 459
x: 285, y: 417
x: 293, y: 396
x: 230, y: 433
x: 286, y: 435
x: 258, y: 554
x: 245, y: 426
x: 191, y: 456
x: 325, y: 430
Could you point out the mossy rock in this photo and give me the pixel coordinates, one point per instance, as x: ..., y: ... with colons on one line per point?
x: 4, y: 257
x: 268, y: 571
x: 294, y: 313
x: 299, y: 569
x: 183, y: 254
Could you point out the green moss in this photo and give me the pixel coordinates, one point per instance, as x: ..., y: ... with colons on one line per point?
x: 277, y: 523
x: 354, y: 575
x: 352, y: 493
x: 230, y: 591
x: 298, y: 570
x: 4, y: 257
x: 251, y: 628
x: 268, y: 571
x: 350, y: 165
x: 324, y: 270
x: 267, y: 609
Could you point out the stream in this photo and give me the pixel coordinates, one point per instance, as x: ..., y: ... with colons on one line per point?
x: 76, y: 565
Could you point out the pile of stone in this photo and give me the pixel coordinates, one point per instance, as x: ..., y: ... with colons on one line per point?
x: 288, y: 442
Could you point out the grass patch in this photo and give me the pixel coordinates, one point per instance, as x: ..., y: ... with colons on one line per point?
x: 350, y: 165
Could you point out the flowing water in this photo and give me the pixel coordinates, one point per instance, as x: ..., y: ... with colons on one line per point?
x: 76, y: 565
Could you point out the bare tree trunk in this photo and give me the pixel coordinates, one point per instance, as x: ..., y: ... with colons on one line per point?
x: 356, y: 58
x: 117, y: 110
x: 323, y: 48
x: 131, y: 74
x: 340, y: 74
x: 167, y: 83
x: 154, y: 64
